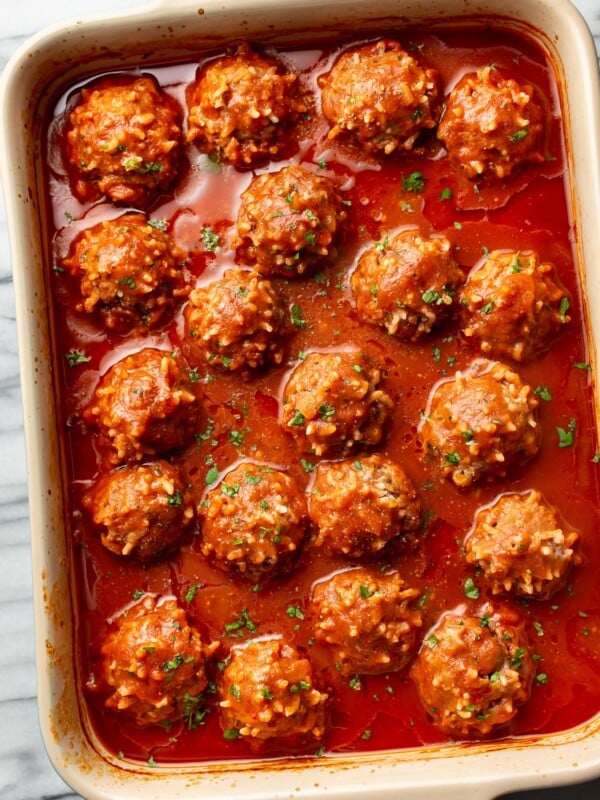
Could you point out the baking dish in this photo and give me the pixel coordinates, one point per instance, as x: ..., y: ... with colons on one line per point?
x: 177, y: 28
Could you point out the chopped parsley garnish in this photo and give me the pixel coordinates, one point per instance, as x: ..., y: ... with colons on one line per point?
x: 566, y: 437
x: 563, y: 309
x: 451, y: 459
x: 76, y: 357
x: 354, y: 683
x: 366, y: 592
x: 243, y: 622
x: 307, y: 466
x: 326, y: 411
x: 191, y: 592
x: 173, y: 663
x: 297, y: 318
x: 295, y: 612
x: 543, y: 392
x: 298, y: 420
x: 159, y: 224
x: 541, y: 678
x: 446, y: 193
x: 236, y: 438
x: 415, y: 182
x: 175, y: 499
x: 471, y: 590
x: 211, y: 476
x: 210, y: 239
x: 231, y: 733
x: 487, y: 307
x: 518, y: 136
x: 432, y: 641
x: 431, y: 296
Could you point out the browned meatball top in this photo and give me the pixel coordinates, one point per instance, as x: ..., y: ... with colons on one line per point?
x: 144, y: 405
x: 243, y: 107
x: 381, y: 95
x: 267, y: 691
x: 129, y: 272
x: 366, y: 619
x: 513, y: 305
x: 154, y: 663
x: 473, y: 673
x: 406, y: 284
x: 142, y: 510
x: 359, y: 505
x: 254, y: 521
x: 522, y: 546
x: 331, y: 403
x: 125, y: 140
x: 288, y: 221
x: 235, y: 322
x: 492, y: 124
x: 481, y: 422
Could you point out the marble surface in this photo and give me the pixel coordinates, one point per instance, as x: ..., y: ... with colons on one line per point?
x: 25, y: 771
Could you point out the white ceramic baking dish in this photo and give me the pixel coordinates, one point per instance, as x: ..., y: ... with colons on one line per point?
x: 30, y: 84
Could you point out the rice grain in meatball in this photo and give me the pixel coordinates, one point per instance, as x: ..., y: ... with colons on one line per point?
x: 267, y: 691
x: 406, y: 284
x: 367, y: 620
x: 289, y: 221
x: 234, y: 322
x: 331, y: 403
x: 124, y: 139
x: 381, y: 96
x: 141, y: 510
x: 522, y: 546
x: 359, y: 505
x: 129, y: 272
x: 481, y: 423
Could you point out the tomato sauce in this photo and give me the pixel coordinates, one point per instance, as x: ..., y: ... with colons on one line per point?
x: 239, y: 417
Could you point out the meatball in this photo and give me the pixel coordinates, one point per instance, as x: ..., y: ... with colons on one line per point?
x: 331, y: 403
x: 382, y: 96
x: 124, y: 139
x: 141, y: 510
x: 481, y: 423
x: 472, y: 673
x: 144, y: 405
x: 242, y: 108
x: 129, y: 272
x: 522, y: 546
x: 367, y: 620
x: 154, y: 663
x: 268, y: 691
x: 406, y: 284
x: 235, y: 322
x: 359, y: 505
x: 513, y: 305
x: 492, y: 124
x: 288, y: 221
x: 254, y: 521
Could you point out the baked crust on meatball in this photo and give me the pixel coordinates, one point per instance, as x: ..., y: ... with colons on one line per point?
x: 242, y: 108
x: 124, y: 139
x: 473, y: 673
x: 480, y: 423
x: 367, y: 620
x: 144, y: 405
x: 141, y: 510
x: 254, y: 521
x: 129, y: 272
x: 522, y: 546
x: 513, y: 305
x: 154, y: 662
x: 381, y: 96
x: 492, y: 124
x: 406, y: 284
x: 289, y: 221
x: 359, y: 505
x: 267, y: 691
x: 331, y: 403
x: 235, y: 322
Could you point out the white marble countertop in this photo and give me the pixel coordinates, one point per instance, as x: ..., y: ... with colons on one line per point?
x: 25, y: 771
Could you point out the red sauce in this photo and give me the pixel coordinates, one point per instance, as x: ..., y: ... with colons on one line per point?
x: 529, y: 212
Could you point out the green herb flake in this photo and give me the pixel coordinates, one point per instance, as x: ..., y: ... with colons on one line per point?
x: 543, y: 392
x: 415, y: 182
x: 566, y: 437
x: 451, y: 459
x: 541, y: 678
x: 298, y: 420
x: 446, y: 193
x: 159, y: 224
x: 191, y: 592
x: 297, y: 318
x: 432, y: 641
x: 151, y: 762
x: 295, y: 612
x: 231, y: 734
x: 365, y: 592
x: 470, y: 589
x: 518, y: 136
x: 354, y: 683
x: 76, y: 357
x: 326, y: 411
x: 563, y: 309
x: 175, y: 499
x: 210, y: 239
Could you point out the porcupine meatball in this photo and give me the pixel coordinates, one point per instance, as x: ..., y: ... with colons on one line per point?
x: 522, y: 546
x: 381, y: 96
x: 144, y: 405
x: 154, y: 662
x: 124, y: 139
x: 234, y: 322
x: 492, y: 124
x: 254, y: 521
x: 481, y: 423
x: 331, y: 403
x: 243, y: 107
x: 289, y: 221
x: 406, y: 284
x: 513, y: 305
x: 473, y: 673
x: 141, y: 510
x: 359, y: 505
x: 267, y: 691
x: 129, y: 272
x: 367, y: 620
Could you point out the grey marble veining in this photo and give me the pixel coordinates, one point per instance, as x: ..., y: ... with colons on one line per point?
x: 25, y: 771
